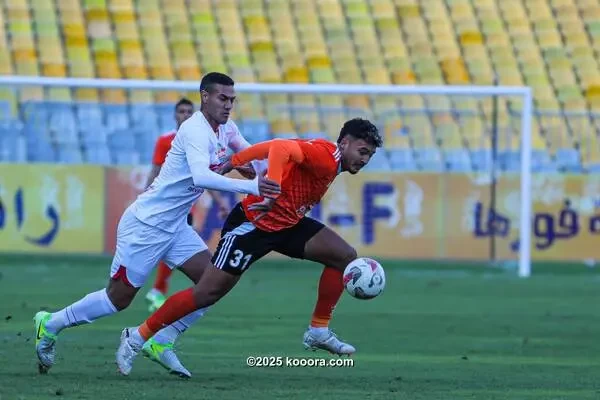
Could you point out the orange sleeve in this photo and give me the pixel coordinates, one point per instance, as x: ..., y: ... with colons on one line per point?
x: 278, y: 151
x: 160, y: 152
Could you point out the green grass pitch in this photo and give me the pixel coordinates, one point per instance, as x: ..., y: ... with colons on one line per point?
x: 438, y: 332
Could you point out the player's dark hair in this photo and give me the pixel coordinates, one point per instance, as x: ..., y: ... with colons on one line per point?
x: 215, y: 78
x: 184, y: 102
x: 363, y: 129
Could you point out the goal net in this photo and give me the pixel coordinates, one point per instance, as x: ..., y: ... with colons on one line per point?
x: 453, y: 181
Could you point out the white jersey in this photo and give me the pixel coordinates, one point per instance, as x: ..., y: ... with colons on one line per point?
x: 195, y: 151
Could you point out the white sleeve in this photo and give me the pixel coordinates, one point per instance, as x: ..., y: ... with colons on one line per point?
x: 196, y: 145
x: 238, y: 143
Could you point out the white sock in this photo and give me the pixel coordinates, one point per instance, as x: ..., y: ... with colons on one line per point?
x: 173, y: 331
x: 319, y: 331
x: 136, y: 337
x: 90, y: 308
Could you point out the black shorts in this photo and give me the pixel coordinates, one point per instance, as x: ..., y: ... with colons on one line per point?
x: 242, y: 243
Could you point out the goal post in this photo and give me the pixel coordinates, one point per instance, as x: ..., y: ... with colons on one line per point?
x: 438, y: 95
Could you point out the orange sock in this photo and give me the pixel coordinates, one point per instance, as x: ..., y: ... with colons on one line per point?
x: 331, y: 287
x: 177, y: 306
x: 162, y: 278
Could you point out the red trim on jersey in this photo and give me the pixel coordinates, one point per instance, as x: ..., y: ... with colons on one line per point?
x: 121, y: 274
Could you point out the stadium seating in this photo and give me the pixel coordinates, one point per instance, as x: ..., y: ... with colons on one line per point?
x: 550, y: 45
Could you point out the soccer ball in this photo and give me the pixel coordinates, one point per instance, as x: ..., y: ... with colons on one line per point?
x: 364, y: 278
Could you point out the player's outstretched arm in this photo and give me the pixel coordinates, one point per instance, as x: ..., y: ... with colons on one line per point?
x: 196, y: 147
x: 205, y: 178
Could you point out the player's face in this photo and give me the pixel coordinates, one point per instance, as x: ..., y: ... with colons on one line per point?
x: 356, y: 153
x: 183, y: 112
x: 218, y: 103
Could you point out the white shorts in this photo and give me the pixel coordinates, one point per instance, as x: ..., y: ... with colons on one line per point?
x: 140, y: 247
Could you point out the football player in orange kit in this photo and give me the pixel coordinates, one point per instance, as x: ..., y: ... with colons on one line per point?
x: 256, y: 226
x: 183, y: 110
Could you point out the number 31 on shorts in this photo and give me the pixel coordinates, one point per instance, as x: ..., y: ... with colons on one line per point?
x: 237, y: 257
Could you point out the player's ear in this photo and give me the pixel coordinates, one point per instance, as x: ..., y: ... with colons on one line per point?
x: 343, y: 143
x: 204, y: 96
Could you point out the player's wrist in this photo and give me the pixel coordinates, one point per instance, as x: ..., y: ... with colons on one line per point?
x: 254, y: 186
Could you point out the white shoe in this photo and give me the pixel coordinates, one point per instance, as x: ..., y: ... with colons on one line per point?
x: 326, y: 340
x: 127, y: 351
x: 164, y: 355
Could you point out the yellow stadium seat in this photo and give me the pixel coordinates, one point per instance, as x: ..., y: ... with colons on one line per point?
x: 378, y: 76
x: 54, y: 69
x: 393, y: 137
x: 455, y: 71
x: 113, y: 96
x: 86, y: 95
x: 29, y: 93
x: 81, y: 70
x: 471, y: 38
x: 549, y: 39
x: 307, y: 123
x: 592, y: 94
x: 162, y: 72
x: 280, y: 120
x: 403, y: 77
x: 358, y: 102
x: 297, y: 75
x: 108, y: 70
x: 42, y: 5
x: 5, y: 62
x: 121, y: 5
x: 135, y: 71
x: 26, y: 55
x: 16, y: 5
x: 71, y: 16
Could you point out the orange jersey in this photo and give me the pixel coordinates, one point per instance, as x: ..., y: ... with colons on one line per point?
x: 163, y: 145
x: 308, y: 168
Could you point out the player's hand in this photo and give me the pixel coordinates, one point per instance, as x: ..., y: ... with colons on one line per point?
x: 262, y: 208
x: 247, y: 171
x: 223, y: 168
x: 267, y: 187
x: 264, y: 205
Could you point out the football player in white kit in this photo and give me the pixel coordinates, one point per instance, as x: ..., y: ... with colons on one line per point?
x: 154, y: 226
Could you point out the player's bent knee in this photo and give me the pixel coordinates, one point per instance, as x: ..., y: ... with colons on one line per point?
x: 120, y: 299
x: 120, y: 294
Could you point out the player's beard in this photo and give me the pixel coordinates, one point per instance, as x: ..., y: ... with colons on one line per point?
x: 356, y: 168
